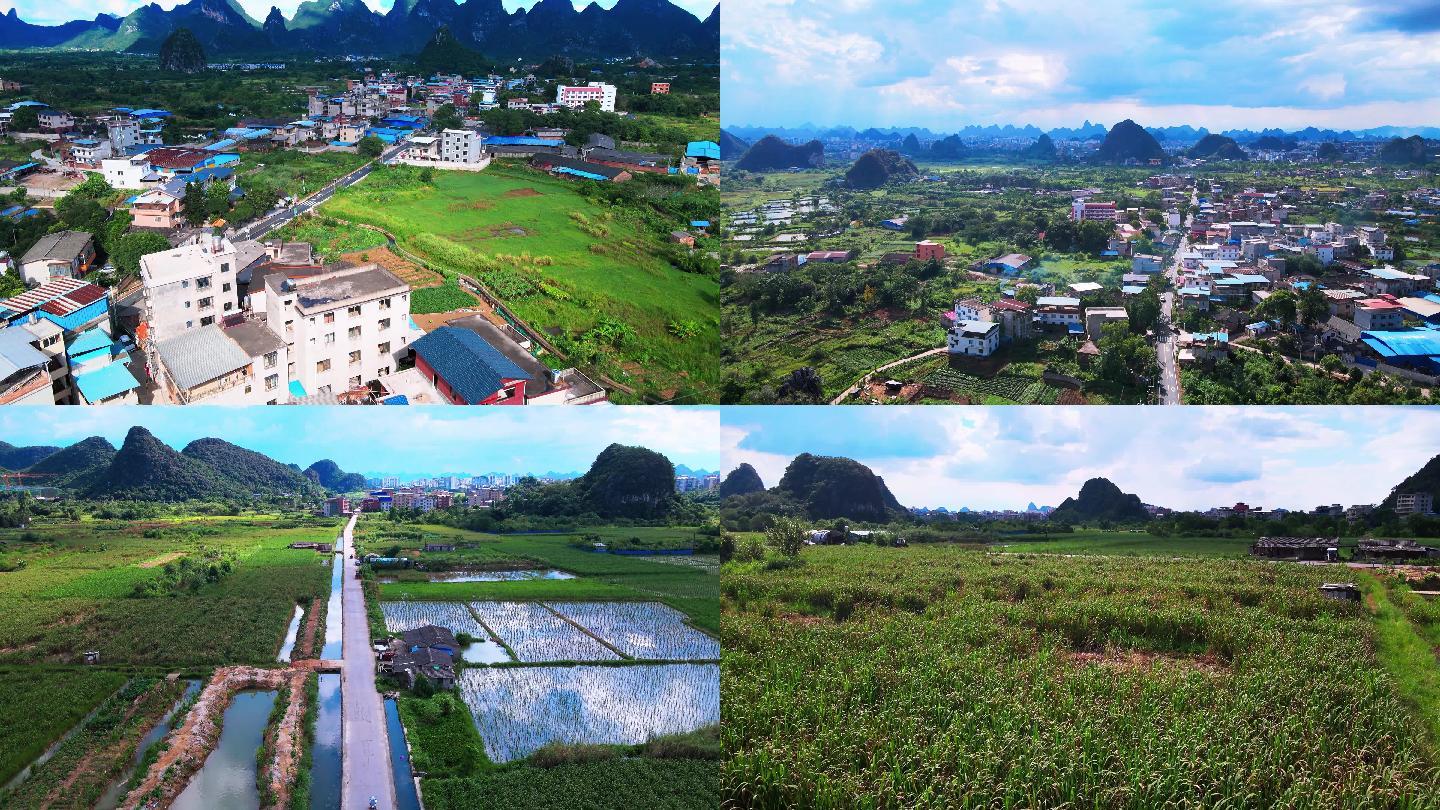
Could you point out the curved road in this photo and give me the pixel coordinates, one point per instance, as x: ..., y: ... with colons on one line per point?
x: 365, y: 746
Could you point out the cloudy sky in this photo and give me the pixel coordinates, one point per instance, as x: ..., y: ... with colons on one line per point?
x: 1183, y: 458
x: 416, y: 440
x: 50, y: 12
x: 948, y: 63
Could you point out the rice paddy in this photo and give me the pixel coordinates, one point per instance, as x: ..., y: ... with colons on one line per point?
x: 519, y: 710
x: 644, y: 630
x: 537, y: 634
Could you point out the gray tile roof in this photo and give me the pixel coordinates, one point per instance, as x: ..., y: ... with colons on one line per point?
x: 255, y: 338
x: 200, y: 355
x: 64, y: 245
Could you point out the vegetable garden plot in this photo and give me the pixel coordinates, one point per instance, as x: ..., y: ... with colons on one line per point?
x: 402, y: 616
x: 520, y: 709
x: 642, y: 629
x: 536, y: 634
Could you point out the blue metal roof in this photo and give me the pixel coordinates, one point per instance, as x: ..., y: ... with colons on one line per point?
x: 703, y: 149
x: 398, y: 399
x: 296, y: 389
x: 106, y: 382
x: 472, y: 368
x: 1403, y: 343
x: 520, y: 140
x: 89, y: 342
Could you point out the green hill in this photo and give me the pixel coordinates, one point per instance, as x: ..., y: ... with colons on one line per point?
x: 18, y: 458
x: 1426, y: 479
x: 772, y: 154
x: 1217, y: 147
x: 742, y: 480
x: 833, y: 487
x: 146, y: 469
x: 328, y: 474
x: 631, y: 482
x: 1127, y: 141
x: 1100, y: 500
x: 878, y: 167
x: 247, y: 468
x: 70, y: 465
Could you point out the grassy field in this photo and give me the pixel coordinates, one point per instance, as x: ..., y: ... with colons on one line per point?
x: 693, y: 591
x: 936, y: 676
x: 37, y: 705
x: 594, y: 278
x: 74, y: 592
x: 1128, y: 544
x: 290, y: 173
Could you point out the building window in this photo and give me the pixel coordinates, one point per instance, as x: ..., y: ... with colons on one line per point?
x: 384, y: 324
x: 354, y: 333
x: 272, y: 359
x: 383, y: 348
x: 355, y: 381
x: 272, y: 382
x: 205, y: 303
x: 324, y: 390
x: 225, y: 287
x: 329, y: 338
x: 202, y: 283
x: 224, y: 267
x: 383, y: 371
x: 384, y: 303
x: 50, y: 341
x: 355, y: 358
x: 353, y: 312
x: 322, y: 366
x: 207, y: 320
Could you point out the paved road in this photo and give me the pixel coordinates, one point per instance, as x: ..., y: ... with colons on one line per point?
x: 261, y: 228
x: 366, y: 769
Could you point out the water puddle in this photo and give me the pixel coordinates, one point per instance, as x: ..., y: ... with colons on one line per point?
x: 291, y: 634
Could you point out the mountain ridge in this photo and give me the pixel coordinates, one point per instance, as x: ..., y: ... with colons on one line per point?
x: 656, y: 28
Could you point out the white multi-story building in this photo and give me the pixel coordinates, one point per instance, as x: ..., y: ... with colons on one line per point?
x: 1414, y: 503
x: 124, y: 134
x: 460, y: 146
x: 193, y: 286
x: 577, y: 96
x: 125, y: 172
x: 975, y: 338
x: 343, y: 328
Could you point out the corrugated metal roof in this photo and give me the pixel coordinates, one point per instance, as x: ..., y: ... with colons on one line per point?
x: 106, y: 382
x: 200, y: 355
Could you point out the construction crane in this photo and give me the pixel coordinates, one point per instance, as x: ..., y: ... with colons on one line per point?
x: 17, y: 480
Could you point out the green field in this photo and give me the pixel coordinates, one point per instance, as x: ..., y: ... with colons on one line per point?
x: 74, y: 592
x: 938, y: 676
x: 37, y: 705
x: 594, y: 278
x: 1128, y: 544
x: 693, y: 591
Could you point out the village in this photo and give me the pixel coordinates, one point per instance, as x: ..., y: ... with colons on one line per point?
x: 219, y: 307
x: 1205, y: 269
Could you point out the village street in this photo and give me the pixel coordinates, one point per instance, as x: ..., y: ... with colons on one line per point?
x: 366, y: 750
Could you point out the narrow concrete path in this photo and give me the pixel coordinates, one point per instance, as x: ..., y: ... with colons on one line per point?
x: 366, y: 771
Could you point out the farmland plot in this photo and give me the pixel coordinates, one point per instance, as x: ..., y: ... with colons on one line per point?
x: 402, y: 616
x: 642, y: 629
x: 536, y: 634
x: 520, y: 709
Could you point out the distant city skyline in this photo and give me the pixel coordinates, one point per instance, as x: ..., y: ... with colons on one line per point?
x: 417, y: 441
x: 53, y: 12
x: 1182, y: 458
x: 1227, y: 64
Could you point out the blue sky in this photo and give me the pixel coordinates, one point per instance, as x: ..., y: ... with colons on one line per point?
x: 1185, y: 458
x: 415, y: 440
x: 49, y: 12
x: 948, y: 63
